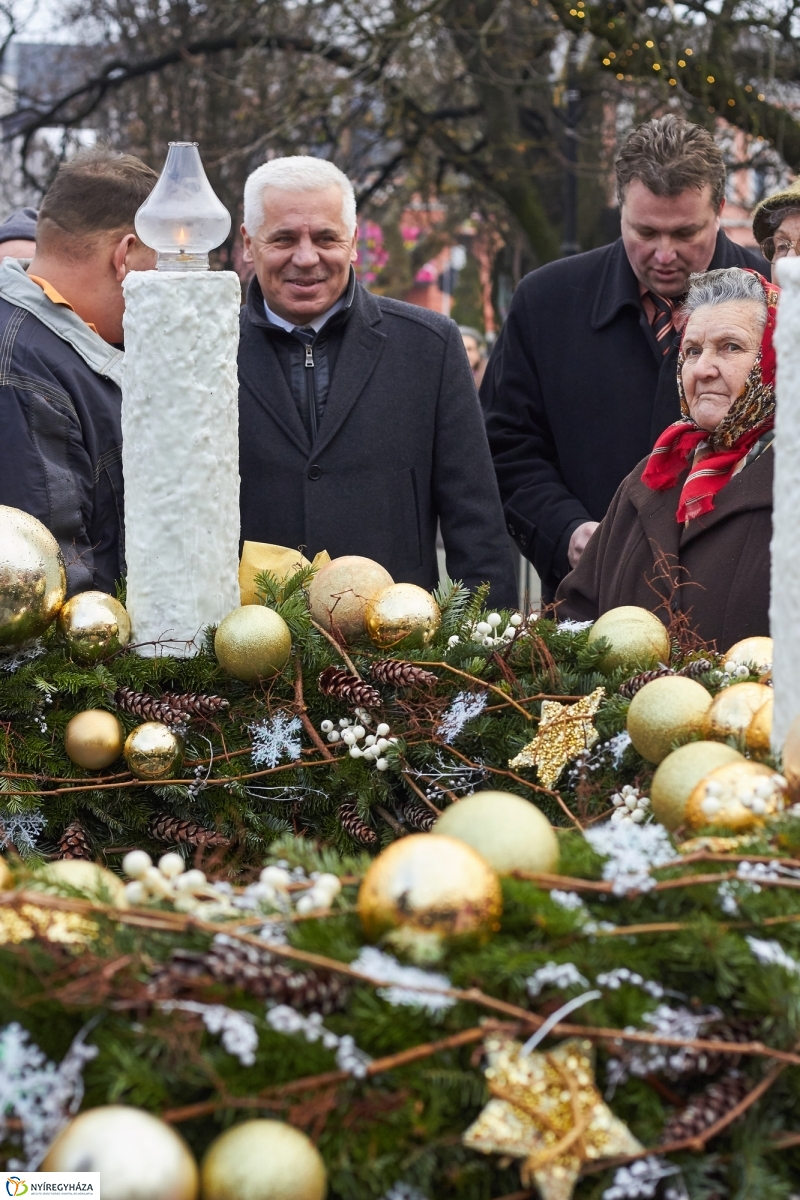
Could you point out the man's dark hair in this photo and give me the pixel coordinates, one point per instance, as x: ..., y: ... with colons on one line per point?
x: 670, y: 155
x: 97, y: 192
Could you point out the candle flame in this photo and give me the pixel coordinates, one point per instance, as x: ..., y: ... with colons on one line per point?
x: 182, y: 237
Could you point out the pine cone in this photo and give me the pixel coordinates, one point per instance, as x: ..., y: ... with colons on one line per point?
x: 165, y: 828
x: 715, y: 1100
x: 146, y: 707
x: 401, y: 674
x: 255, y: 971
x: 418, y: 816
x: 74, y: 843
x: 194, y: 704
x: 699, y: 667
x: 336, y: 682
x: 632, y: 686
x: 352, y: 824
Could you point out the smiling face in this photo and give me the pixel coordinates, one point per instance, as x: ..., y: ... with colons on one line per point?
x: 302, y: 252
x: 666, y: 238
x: 720, y: 345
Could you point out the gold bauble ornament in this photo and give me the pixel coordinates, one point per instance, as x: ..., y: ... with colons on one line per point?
x: 153, y: 751
x: 263, y: 556
x: 78, y: 875
x: 339, y: 593
x: 751, y: 652
x: 565, y: 731
x: 759, y: 731
x: 137, y: 1156
x: 94, y: 625
x: 253, y: 642
x: 734, y: 708
x: 263, y: 1160
x: 402, y: 611
x: 510, y: 833
x: 791, y: 759
x: 33, y: 578
x: 6, y: 878
x: 665, y: 710
x: 93, y: 739
x: 679, y: 774
x: 64, y: 877
x: 428, y: 889
x: 738, y: 795
x: 636, y: 638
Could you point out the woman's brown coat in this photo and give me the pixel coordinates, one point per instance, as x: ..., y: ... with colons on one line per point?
x: 717, y: 567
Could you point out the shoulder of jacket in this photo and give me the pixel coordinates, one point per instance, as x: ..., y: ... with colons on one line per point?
x: 426, y: 317
x: 565, y: 273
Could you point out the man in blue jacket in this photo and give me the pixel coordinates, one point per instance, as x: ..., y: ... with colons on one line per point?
x: 60, y: 362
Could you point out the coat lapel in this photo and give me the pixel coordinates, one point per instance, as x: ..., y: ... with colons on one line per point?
x: 275, y: 397
x: 657, y: 514
x: 361, y: 349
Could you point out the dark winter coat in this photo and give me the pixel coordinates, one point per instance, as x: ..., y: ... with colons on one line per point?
x: 400, y: 443
x: 719, y: 561
x: 60, y: 432
x: 576, y: 392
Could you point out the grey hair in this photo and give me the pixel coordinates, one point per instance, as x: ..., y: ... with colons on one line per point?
x: 296, y: 173
x: 777, y: 216
x: 717, y: 287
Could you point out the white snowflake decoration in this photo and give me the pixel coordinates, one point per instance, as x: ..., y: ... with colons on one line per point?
x: 557, y: 975
x: 406, y: 981
x: 276, y: 738
x: 465, y: 707
x: 239, y: 1035
x: 403, y: 1191
x: 631, y: 852
x: 647, y: 1059
x: 571, y: 626
x: 640, y: 1180
x: 21, y: 829
x: 613, y: 980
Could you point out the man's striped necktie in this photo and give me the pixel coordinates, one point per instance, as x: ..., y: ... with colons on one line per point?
x: 663, y: 323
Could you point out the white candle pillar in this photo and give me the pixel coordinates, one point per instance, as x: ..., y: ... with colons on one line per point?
x: 785, y: 600
x: 180, y: 454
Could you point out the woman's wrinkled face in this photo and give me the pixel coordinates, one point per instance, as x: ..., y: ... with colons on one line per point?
x: 720, y: 345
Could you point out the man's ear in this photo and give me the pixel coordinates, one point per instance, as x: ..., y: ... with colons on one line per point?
x: 247, y: 256
x: 354, y: 247
x: 120, y: 255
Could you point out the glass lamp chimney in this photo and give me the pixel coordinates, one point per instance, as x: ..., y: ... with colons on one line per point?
x: 182, y: 219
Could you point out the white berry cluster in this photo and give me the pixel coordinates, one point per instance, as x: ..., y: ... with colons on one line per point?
x: 371, y: 746
x: 630, y: 805
x: 614, y: 979
x: 168, y: 881
x: 762, y: 795
x: 273, y: 889
x: 486, y: 632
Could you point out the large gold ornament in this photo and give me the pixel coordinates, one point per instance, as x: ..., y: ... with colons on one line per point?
x: 94, y: 626
x: 679, y: 774
x: 565, y: 730
x: 93, y: 739
x: 263, y: 1160
x: 67, y: 875
x: 546, y: 1110
x: 153, y: 751
x: 510, y: 833
x: 759, y: 731
x: 739, y: 795
x: 665, y: 710
x: 64, y: 877
x: 402, y: 611
x: 636, y: 638
x: 791, y: 759
x: 339, y: 593
x: 429, y: 889
x: 137, y: 1156
x: 734, y: 708
x: 253, y: 642
x: 262, y: 556
x: 751, y: 652
x: 33, y: 578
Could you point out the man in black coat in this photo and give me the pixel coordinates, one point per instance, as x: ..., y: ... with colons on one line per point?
x: 583, y: 377
x: 359, y: 422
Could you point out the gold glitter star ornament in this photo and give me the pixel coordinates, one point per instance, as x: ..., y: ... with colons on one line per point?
x: 546, y: 1110
x: 564, y: 731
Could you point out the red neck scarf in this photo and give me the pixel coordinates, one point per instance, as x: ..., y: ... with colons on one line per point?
x: 750, y: 416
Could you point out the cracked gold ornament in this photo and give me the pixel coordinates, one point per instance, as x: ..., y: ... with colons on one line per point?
x: 94, y: 626
x: 546, y: 1110
x: 564, y: 731
x: 751, y: 652
x: 739, y: 795
x: 402, y: 611
x: 33, y: 578
x: 734, y: 708
x: 153, y: 751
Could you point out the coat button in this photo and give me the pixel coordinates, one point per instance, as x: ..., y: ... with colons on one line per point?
x: 314, y: 472
x: 512, y: 530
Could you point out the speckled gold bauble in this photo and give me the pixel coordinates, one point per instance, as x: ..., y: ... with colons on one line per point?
x: 636, y: 638
x: 339, y: 593
x: 432, y: 886
x: 402, y: 611
x: 263, y: 1160
x: 664, y: 711
x: 153, y: 751
x: 791, y: 759
x: 734, y: 708
x: 94, y: 626
x: 759, y: 731
x: 88, y: 878
x: 510, y: 833
x: 253, y: 642
x: 93, y: 739
x: 33, y: 579
x: 65, y: 877
x: 262, y: 556
x: 679, y: 774
x: 752, y: 651
x: 137, y: 1156
x: 738, y: 796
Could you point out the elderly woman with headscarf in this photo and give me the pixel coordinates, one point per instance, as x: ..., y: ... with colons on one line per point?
x: 689, y: 529
x: 776, y: 224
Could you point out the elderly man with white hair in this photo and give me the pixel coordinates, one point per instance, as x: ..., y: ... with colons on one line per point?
x: 360, y: 426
